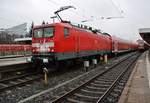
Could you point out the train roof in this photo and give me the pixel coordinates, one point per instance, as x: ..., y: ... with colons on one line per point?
x: 52, y: 24
x: 69, y: 24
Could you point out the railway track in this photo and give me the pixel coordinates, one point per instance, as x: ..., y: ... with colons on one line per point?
x: 103, y: 88
x: 16, y: 81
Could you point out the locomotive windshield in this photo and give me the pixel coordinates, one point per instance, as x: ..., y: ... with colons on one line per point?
x: 44, y: 32
x: 49, y: 32
x: 38, y: 33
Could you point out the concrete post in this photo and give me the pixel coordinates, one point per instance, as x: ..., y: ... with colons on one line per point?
x: 101, y: 58
x: 105, y: 58
x: 86, y: 65
x: 94, y: 62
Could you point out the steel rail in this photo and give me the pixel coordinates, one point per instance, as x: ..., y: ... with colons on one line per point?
x: 23, y: 78
x: 104, y: 96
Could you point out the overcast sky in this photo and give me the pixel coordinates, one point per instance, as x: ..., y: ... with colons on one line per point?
x: 135, y: 14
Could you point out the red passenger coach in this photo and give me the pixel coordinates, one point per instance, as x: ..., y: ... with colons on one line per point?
x: 120, y: 45
x: 5, y: 48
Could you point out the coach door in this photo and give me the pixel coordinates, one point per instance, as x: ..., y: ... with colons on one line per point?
x: 115, y: 46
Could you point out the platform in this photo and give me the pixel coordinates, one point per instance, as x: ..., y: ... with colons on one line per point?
x: 137, y: 89
x: 12, y: 61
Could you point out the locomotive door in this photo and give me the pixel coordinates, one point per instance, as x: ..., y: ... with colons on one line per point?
x: 77, y: 44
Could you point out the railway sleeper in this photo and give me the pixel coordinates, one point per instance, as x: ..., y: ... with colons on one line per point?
x: 110, y: 76
x: 114, y: 95
x: 105, y: 80
x: 85, y: 98
x: 117, y: 90
x: 102, y: 84
x: 121, y: 84
x: 120, y: 87
x: 4, y: 85
x: 110, y: 100
x: 99, y: 86
x: 93, y: 93
x: 124, y: 80
x: 62, y: 93
x: 95, y: 88
x: 70, y: 100
x: 12, y: 82
x: 28, y: 78
x: 21, y: 80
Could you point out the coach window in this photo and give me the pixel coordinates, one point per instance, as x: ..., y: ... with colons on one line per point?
x: 66, y: 32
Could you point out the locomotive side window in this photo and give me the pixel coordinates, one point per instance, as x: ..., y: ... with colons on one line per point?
x: 49, y: 32
x: 38, y: 33
x: 66, y: 32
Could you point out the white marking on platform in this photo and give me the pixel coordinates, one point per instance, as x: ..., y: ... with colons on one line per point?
x: 148, y: 68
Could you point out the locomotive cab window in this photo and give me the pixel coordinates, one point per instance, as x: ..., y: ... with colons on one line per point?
x: 38, y: 33
x: 66, y: 32
x: 49, y: 32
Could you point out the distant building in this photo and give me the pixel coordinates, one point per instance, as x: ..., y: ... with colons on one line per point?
x: 8, y: 35
x: 18, y: 30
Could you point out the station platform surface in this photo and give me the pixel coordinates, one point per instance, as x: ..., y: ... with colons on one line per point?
x: 137, y: 89
x: 12, y: 61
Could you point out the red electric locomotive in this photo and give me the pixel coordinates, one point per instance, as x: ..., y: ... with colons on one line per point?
x: 54, y: 43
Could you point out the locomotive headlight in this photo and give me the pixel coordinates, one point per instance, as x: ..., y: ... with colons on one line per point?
x: 28, y: 59
x: 33, y: 50
x: 52, y: 50
x: 45, y: 60
x: 37, y: 49
x: 49, y: 49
